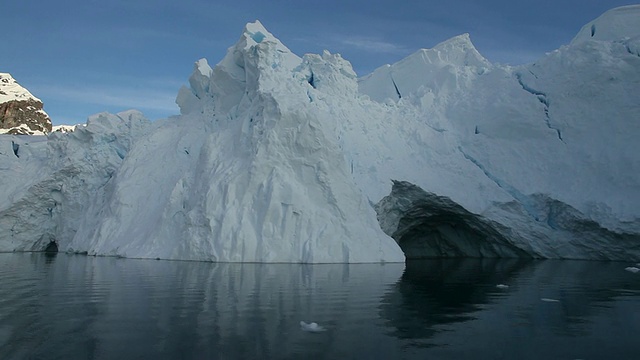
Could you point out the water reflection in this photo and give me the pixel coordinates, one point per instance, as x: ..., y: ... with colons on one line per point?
x: 454, y: 309
x: 432, y: 293
x: 109, y: 308
x: 103, y: 308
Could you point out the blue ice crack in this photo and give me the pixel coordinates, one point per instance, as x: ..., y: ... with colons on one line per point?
x: 523, y: 199
x: 542, y: 97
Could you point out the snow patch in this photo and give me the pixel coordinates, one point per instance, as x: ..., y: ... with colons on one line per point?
x: 10, y: 90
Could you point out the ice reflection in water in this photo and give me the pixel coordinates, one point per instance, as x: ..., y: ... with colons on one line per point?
x: 103, y: 308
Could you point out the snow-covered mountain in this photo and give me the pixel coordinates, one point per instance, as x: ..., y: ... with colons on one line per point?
x: 277, y: 158
x: 21, y: 113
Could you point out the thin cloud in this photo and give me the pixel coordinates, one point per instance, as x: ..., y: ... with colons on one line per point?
x: 511, y: 56
x: 157, y: 94
x: 371, y: 45
x: 113, y: 96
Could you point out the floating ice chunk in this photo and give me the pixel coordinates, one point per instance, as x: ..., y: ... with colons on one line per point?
x: 502, y: 286
x: 311, y: 327
x: 549, y: 300
x: 632, y: 269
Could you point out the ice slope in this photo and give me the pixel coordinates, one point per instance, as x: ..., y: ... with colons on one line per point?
x: 614, y: 25
x: 244, y: 175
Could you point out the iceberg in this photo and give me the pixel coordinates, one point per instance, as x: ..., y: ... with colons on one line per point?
x: 243, y: 175
x: 281, y: 158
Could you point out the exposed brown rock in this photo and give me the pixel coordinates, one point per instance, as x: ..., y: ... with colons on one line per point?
x: 28, y: 112
x: 21, y: 113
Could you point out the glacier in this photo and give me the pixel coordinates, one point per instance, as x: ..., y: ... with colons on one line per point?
x: 280, y: 158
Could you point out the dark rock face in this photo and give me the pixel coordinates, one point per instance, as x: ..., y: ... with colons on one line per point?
x: 28, y: 112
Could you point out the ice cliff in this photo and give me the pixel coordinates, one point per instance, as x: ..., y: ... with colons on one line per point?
x: 277, y: 158
x: 243, y: 175
x: 50, y: 186
x: 545, y: 154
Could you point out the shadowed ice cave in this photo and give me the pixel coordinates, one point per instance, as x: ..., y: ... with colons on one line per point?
x: 426, y: 225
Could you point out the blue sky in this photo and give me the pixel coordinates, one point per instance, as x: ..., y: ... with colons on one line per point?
x: 84, y: 56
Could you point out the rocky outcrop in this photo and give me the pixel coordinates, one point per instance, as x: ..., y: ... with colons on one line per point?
x: 24, y: 117
x: 20, y: 112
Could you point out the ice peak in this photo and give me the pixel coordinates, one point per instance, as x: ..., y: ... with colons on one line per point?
x: 257, y: 32
x: 256, y: 53
x: 462, y: 40
x: 202, y: 67
x: 438, y: 68
x: 459, y: 50
x: 273, y: 51
x: 615, y: 24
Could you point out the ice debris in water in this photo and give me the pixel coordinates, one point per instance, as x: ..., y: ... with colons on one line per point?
x: 632, y: 269
x: 502, y: 286
x: 311, y: 327
x: 549, y: 300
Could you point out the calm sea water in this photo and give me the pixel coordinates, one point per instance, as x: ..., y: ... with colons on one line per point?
x: 78, y: 307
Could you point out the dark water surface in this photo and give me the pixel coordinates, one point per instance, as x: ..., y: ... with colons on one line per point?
x: 78, y: 307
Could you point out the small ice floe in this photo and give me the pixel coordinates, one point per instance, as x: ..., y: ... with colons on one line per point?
x: 502, y: 286
x: 311, y: 327
x: 632, y: 269
x: 549, y: 300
